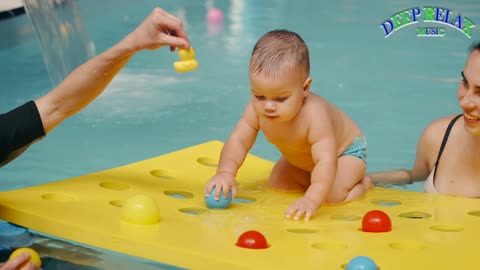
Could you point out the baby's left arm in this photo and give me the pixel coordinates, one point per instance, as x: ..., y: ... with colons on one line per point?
x: 325, y: 158
x: 324, y: 155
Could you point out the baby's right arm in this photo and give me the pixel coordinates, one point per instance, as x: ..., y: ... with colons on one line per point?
x: 233, y: 154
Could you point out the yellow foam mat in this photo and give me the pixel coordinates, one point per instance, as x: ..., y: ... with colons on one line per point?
x: 429, y: 231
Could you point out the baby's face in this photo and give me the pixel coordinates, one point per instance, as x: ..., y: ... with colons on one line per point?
x: 281, y: 98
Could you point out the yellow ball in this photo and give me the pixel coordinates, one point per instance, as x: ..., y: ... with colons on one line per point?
x: 34, y: 257
x: 186, y: 54
x: 140, y: 209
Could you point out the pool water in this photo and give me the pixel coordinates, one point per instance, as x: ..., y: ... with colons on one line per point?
x: 392, y: 87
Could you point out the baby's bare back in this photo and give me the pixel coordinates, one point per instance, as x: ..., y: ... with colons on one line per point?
x: 292, y: 140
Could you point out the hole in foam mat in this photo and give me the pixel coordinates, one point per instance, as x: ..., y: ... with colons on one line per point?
x: 386, y: 202
x: 210, y: 162
x: 57, y: 197
x: 406, y: 245
x: 302, y: 230
x: 193, y: 211
x: 330, y: 245
x: 244, y: 199
x: 114, y: 185
x: 178, y: 194
x: 447, y: 228
x: 475, y: 213
x: 116, y: 203
x: 162, y: 174
x: 415, y: 215
x: 346, y: 217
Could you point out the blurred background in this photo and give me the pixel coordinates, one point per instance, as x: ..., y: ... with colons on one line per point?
x: 392, y: 87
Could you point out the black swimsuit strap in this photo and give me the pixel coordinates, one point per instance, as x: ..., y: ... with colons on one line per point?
x: 444, y: 142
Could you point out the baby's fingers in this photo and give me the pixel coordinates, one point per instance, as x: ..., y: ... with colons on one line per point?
x: 308, y: 215
x: 290, y: 211
x: 218, y: 190
x: 226, y: 190
x: 208, y: 188
x: 299, y: 214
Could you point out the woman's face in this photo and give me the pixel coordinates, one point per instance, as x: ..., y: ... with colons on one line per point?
x: 469, y: 93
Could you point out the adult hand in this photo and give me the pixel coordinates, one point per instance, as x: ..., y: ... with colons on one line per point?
x: 19, y: 263
x: 159, y: 29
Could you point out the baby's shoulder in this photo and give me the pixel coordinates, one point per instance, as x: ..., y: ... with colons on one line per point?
x: 318, y: 106
x: 316, y: 103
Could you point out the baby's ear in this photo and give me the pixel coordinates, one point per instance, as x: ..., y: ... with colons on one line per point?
x: 306, y: 86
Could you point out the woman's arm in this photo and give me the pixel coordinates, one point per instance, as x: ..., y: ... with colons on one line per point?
x: 427, y: 148
x: 89, y: 80
x: 401, y: 176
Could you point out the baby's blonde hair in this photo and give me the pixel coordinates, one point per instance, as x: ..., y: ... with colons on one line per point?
x: 277, y: 51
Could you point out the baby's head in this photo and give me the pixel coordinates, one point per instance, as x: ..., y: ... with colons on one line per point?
x: 277, y: 52
x: 279, y: 75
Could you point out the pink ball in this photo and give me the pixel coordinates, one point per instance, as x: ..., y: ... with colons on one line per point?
x: 215, y: 15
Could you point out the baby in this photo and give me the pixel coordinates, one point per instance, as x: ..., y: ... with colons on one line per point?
x: 323, y: 151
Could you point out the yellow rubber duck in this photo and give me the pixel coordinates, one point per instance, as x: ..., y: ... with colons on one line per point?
x: 188, y: 62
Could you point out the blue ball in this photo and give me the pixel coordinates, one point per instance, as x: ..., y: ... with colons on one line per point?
x: 361, y: 263
x: 222, y: 203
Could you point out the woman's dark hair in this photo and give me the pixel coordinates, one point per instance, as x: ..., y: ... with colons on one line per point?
x: 475, y: 46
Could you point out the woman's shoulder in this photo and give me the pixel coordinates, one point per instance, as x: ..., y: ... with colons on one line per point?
x: 440, y: 124
x: 431, y: 140
x: 434, y: 132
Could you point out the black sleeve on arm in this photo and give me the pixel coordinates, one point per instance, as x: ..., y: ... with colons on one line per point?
x: 19, y: 128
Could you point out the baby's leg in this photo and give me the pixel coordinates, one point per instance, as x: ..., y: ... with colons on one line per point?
x: 286, y: 177
x: 350, y: 182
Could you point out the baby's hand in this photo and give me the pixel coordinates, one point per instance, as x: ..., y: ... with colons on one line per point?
x: 224, y: 182
x: 302, y: 206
